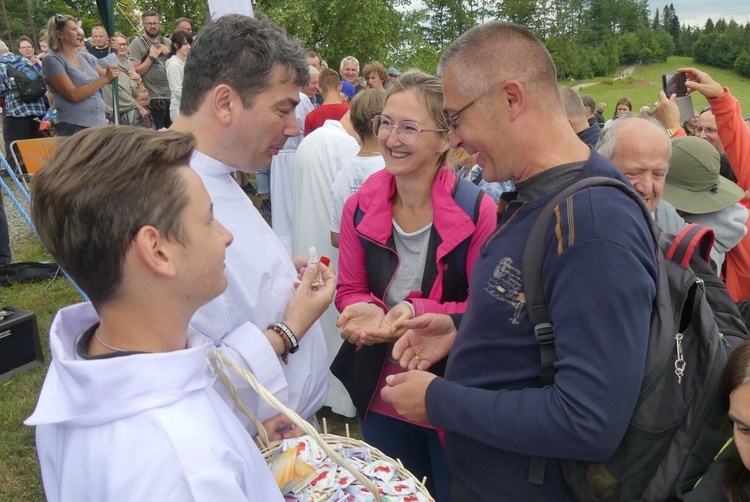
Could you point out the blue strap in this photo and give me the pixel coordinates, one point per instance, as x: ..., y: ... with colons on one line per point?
x: 469, y: 197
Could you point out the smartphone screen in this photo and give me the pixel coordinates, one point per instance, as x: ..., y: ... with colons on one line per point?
x: 674, y: 83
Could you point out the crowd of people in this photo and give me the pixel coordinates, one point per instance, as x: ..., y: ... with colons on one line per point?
x: 79, y: 75
x: 422, y: 191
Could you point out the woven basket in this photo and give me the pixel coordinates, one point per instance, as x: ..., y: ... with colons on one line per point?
x: 221, y: 363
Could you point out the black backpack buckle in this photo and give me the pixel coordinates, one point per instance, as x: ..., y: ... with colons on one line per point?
x: 544, y: 334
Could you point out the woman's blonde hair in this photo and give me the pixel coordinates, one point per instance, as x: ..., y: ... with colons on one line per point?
x: 55, y: 24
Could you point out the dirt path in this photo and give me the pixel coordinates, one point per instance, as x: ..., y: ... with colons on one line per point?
x: 623, y: 74
x: 626, y: 72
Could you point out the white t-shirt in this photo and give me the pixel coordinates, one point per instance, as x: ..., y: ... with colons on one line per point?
x: 348, y: 182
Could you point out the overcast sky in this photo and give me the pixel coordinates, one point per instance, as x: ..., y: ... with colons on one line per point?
x: 695, y: 12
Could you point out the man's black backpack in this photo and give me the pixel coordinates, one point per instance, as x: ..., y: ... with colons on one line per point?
x: 27, y: 84
x: 677, y: 426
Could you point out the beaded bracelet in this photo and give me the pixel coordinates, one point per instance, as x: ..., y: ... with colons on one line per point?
x: 285, y: 340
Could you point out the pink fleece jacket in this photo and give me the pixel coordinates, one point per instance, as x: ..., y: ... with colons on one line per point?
x: 452, y: 224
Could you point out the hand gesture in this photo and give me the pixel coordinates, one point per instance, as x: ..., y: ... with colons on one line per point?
x: 667, y: 112
x: 390, y: 328
x: 428, y: 340
x: 134, y: 76
x: 406, y: 392
x: 700, y: 81
x: 154, y: 51
x: 358, y: 318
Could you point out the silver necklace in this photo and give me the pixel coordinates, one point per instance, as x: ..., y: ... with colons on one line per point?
x: 369, y: 153
x: 96, y: 334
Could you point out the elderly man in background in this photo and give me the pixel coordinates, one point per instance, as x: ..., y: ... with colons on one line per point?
x: 641, y: 150
x: 349, y: 71
x: 676, y: 180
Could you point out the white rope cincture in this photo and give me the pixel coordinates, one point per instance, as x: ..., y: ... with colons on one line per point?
x: 219, y: 361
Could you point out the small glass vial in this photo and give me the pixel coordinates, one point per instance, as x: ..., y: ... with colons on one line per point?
x: 314, y: 261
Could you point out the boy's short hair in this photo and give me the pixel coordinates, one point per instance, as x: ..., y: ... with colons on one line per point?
x: 101, y: 186
x: 329, y: 80
x: 365, y: 106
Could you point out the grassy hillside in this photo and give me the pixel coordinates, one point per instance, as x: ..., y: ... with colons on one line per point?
x: 642, y: 88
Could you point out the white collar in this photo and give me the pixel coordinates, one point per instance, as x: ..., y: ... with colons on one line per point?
x: 208, y: 166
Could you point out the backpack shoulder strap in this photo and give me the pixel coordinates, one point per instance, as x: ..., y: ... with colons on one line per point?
x: 358, y: 215
x: 536, y: 302
x: 692, y: 238
x: 469, y: 198
x: 19, y: 64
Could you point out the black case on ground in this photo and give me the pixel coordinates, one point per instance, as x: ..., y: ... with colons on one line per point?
x: 20, y: 348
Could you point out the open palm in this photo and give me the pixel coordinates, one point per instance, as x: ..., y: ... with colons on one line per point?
x: 358, y: 319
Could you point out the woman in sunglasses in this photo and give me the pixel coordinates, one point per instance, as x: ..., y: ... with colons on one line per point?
x: 406, y: 248
x: 74, y: 78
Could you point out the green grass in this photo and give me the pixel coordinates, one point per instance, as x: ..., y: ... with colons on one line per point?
x: 644, y: 86
x: 19, y: 469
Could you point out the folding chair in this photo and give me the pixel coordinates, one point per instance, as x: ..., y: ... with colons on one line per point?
x: 34, y: 153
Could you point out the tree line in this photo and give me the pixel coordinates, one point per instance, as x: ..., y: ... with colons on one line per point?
x: 587, y: 38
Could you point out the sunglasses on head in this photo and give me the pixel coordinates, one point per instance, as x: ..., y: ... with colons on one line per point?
x: 61, y: 19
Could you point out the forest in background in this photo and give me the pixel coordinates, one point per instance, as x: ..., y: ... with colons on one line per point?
x: 587, y: 38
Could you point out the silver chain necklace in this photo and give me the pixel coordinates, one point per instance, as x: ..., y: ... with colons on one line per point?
x: 96, y: 334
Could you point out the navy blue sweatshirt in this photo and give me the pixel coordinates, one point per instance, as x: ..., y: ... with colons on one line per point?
x: 599, y: 275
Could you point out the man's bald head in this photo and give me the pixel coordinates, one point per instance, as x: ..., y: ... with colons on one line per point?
x: 641, y: 150
x: 498, y: 51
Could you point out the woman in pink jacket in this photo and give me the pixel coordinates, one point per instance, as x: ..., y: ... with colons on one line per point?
x: 408, y: 241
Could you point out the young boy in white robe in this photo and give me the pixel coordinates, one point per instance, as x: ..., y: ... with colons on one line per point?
x: 128, y: 410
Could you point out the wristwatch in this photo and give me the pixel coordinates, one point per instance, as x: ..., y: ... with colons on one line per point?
x: 153, y: 59
x: 671, y: 132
